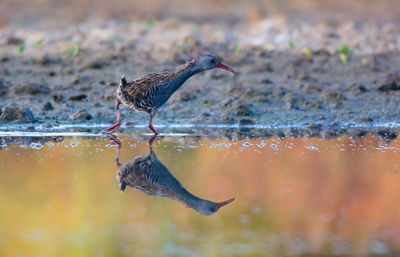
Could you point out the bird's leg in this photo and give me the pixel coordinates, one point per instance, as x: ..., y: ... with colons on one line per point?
x: 118, y: 143
x: 151, y: 125
x: 117, y: 123
x: 151, y: 141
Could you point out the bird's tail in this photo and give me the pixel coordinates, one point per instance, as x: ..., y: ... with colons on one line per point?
x: 123, y: 81
x: 122, y: 186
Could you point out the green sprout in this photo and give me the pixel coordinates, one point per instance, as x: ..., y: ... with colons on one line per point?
x: 292, y: 45
x: 150, y: 23
x: 344, y: 52
x: 74, y: 51
x: 193, y: 29
x: 39, y: 42
x: 179, y: 48
x: 21, y: 49
x: 237, y: 49
x: 111, y: 39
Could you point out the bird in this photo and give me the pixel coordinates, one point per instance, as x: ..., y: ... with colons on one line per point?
x: 148, y: 175
x: 151, y: 91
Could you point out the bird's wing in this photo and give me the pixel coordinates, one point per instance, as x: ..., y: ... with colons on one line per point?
x: 140, y: 87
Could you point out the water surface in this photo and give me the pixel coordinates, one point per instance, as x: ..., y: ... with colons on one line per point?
x: 294, y: 196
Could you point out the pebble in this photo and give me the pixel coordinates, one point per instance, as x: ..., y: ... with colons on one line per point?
x: 356, y: 88
x: 310, y: 88
x: 186, y: 96
x: 312, y: 105
x: 322, y: 52
x: 4, y: 86
x: 47, y: 107
x: 391, y: 82
x: 238, y: 107
x: 79, y: 97
x: 356, y: 133
x: 294, y: 132
x: 30, y: 89
x: 58, y: 98
x: 364, y: 119
x: 46, y: 60
x: 330, y: 95
x: 387, y: 135
x: 81, y: 115
x: 94, y: 64
x: 12, y: 40
x: 11, y: 113
x: 245, y: 122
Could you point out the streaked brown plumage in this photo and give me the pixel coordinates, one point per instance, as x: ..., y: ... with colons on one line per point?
x: 148, y: 175
x: 149, y: 92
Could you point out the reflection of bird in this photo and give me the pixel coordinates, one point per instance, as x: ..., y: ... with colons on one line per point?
x: 151, y: 91
x: 149, y: 176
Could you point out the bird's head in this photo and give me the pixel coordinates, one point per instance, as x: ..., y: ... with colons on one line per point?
x: 209, y: 62
x: 208, y: 207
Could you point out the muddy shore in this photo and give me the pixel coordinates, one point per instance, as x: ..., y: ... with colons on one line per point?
x: 322, y: 73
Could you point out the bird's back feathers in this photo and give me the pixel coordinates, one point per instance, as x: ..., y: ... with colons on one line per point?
x: 139, y: 88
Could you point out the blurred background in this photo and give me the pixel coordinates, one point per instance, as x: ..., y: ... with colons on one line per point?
x: 25, y: 12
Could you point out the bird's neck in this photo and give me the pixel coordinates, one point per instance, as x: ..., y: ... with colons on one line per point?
x: 189, y: 200
x: 180, y: 75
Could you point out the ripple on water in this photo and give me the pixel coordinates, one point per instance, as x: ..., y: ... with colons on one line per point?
x: 262, y: 174
x: 74, y: 144
x: 36, y: 145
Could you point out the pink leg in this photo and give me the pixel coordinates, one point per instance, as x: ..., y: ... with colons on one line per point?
x: 151, y: 126
x: 116, y: 124
x: 118, y: 143
x: 151, y: 141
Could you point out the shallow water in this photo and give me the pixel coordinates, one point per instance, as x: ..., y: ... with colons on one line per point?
x: 294, y: 196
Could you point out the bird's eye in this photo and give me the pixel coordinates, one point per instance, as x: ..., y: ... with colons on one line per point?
x: 212, y: 61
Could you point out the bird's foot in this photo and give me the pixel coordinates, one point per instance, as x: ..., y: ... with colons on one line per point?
x: 112, y: 128
x: 118, y: 143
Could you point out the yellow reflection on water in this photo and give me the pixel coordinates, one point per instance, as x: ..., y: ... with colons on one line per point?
x: 293, y: 197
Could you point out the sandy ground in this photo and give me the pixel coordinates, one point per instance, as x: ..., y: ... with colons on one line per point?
x: 323, y: 63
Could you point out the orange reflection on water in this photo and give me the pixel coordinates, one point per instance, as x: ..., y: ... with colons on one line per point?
x: 293, y: 196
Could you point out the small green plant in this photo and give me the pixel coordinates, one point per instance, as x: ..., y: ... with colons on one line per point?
x: 150, y: 23
x: 193, y: 29
x: 111, y: 39
x: 292, y: 45
x: 74, y: 51
x: 237, y: 49
x: 179, y: 48
x: 344, y: 52
x: 21, y: 49
x: 39, y: 42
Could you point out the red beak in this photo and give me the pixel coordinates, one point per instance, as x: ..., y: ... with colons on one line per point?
x: 224, y: 67
x: 219, y: 205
